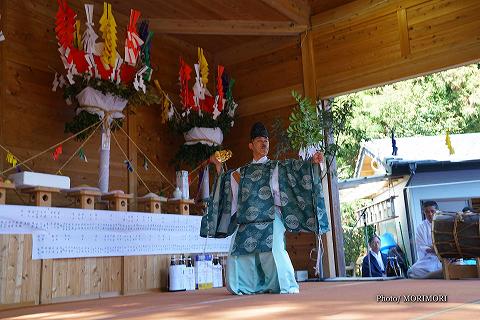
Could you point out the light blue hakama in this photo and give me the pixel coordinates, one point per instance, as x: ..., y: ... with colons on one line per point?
x: 265, y: 272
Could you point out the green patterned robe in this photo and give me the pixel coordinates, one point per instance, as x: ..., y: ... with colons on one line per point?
x: 302, y: 205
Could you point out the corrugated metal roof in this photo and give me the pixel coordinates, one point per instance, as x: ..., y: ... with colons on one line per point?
x: 419, y: 148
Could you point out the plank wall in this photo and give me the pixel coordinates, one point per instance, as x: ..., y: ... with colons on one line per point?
x: 32, y: 119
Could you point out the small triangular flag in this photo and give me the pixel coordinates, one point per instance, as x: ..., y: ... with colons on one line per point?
x: 448, y: 142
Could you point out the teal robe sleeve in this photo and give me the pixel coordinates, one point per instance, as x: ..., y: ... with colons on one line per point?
x: 217, y: 221
x: 301, y: 195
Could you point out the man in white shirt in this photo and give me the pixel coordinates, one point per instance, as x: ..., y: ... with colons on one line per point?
x: 374, y: 263
x: 428, y: 265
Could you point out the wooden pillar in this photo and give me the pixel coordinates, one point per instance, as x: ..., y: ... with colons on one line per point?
x: 117, y: 200
x: 334, y: 207
x: 333, y: 258
x: 3, y: 75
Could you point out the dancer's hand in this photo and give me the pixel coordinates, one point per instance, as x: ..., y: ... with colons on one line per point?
x: 317, y: 158
x: 218, y: 164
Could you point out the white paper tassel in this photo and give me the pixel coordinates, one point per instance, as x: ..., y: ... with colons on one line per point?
x: 55, y: 82
x: 309, y: 151
x: 89, y: 36
x: 198, y: 89
x: 216, y: 113
x: 138, y: 82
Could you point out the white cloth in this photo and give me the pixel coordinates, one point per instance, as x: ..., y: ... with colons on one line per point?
x: 379, y: 259
x: 427, y: 261
x: 95, y: 102
x: 274, y: 186
x: 208, y: 136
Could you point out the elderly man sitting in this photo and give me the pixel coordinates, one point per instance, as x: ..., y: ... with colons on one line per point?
x: 428, y: 265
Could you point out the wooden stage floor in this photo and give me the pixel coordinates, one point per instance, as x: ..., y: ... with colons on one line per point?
x: 321, y: 300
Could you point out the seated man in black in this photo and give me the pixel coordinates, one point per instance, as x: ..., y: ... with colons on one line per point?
x: 378, y: 260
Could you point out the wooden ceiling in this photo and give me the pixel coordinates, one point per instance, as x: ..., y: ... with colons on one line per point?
x: 217, y: 25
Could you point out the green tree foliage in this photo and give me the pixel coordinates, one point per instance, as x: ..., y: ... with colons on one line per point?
x: 427, y: 105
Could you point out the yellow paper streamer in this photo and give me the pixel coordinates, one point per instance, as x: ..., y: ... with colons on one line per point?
x: 203, y: 66
x: 165, y: 102
x: 77, y: 37
x: 448, y: 142
x: 11, y: 160
x: 108, y: 27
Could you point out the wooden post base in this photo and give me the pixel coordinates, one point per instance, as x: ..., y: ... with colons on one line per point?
x: 452, y: 271
x: 118, y: 201
x: 182, y: 206
x: 42, y: 196
x: 151, y: 203
x: 84, y: 197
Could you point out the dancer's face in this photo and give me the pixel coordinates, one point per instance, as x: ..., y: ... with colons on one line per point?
x: 259, y: 147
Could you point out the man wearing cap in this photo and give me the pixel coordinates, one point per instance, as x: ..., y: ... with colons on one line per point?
x: 257, y: 203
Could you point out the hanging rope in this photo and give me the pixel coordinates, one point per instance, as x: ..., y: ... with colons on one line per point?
x: 143, y: 154
x: 83, y: 143
x: 126, y: 158
x: 50, y: 148
x: 8, y: 151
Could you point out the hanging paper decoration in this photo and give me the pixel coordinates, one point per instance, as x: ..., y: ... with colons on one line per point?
x: 65, y: 25
x: 198, y: 88
x: 58, y: 82
x: 108, y: 27
x: 146, y: 36
x: 77, y: 38
x: 166, y: 104
x: 394, y: 145
x: 81, y: 155
x: 11, y: 160
x: 184, y: 77
x: 203, y: 66
x: 57, y: 152
x: 220, y: 82
x: 89, y: 36
x: 2, y: 37
x: 448, y: 142
x: 145, y: 163
x: 204, y: 119
x: 133, y: 41
x: 129, y: 165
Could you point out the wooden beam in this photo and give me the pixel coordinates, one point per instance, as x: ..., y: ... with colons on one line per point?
x: 227, y: 27
x: 251, y: 49
x: 267, y: 101
x: 403, y: 32
x: 370, y: 9
x: 295, y: 10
